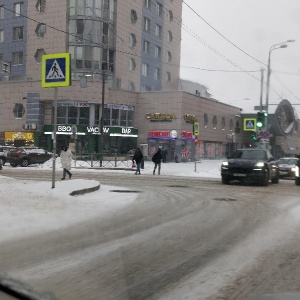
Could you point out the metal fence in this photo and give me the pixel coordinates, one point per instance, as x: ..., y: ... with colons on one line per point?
x: 98, y: 160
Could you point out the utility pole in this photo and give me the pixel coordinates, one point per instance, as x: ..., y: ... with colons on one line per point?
x: 101, y: 117
x: 261, y: 88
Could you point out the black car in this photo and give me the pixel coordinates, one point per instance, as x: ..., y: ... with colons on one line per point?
x: 256, y: 165
x: 27, y: 156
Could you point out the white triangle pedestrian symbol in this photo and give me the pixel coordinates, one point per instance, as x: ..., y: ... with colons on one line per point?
x: 250, y: 125
x: 55, y: 72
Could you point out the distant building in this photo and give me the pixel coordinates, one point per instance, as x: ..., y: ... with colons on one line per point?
x: 194, y: 88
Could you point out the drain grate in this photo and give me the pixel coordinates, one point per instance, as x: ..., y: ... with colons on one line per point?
x: 124, y: 191
x: 225, y: 199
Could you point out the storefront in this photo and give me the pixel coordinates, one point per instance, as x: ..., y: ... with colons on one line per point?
x: 18, y: 138
x: 85, y: 139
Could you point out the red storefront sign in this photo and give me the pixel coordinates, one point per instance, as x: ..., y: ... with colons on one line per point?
x: 187, y: 135
x: 159, y: 134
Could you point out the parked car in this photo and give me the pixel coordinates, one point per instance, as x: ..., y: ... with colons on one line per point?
x: 3, y: 154
x: 27, y: 156
x: 250, y: 165
x: 287, y: 167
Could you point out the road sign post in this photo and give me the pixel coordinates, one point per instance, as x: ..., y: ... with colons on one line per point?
x: 56, y: 72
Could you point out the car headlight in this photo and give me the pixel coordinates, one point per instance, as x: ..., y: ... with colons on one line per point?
x: 293, y: 169
x: 225, y: 163
x: 260, y: 164
x: 297, y: 171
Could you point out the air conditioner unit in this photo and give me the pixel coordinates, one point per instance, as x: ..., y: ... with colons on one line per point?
x: 33, y: 126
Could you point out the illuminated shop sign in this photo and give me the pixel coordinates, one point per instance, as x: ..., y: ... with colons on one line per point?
x: 186, y: 135
x: 190, y: 118
x: 163, y: 134
x: 160, y: 117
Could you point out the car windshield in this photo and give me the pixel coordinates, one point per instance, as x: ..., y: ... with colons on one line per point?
x: 249, y: 154
x: 287, y: 161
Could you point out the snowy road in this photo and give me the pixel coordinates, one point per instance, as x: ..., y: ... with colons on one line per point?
x: 180, y: 238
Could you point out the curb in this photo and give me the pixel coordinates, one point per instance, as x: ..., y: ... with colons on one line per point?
x: 84, y: 191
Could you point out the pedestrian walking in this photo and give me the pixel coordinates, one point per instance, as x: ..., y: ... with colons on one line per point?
x: 156, y: 158
x: 138, y: 158
x: 66, y: 159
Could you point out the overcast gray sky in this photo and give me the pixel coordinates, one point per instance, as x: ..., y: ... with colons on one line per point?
x: 252, y: 25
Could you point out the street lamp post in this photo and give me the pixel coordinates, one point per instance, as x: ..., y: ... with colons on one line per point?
x: 273, y: 47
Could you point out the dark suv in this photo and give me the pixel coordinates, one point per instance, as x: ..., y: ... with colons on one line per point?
x: 27, y: 156
x: 3, y: 154
x: 250, y: 164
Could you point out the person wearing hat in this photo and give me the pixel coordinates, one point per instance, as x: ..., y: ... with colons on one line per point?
x: 66, y: 159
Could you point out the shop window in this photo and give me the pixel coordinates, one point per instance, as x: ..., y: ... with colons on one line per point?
x: 214, y: 122
x: 40, y: 6
x: 40, y: 30
x: 205, y: 120
x: 38, y: 55
x: 18, y: 110
x: 84, y: 115
x: 133, y: 16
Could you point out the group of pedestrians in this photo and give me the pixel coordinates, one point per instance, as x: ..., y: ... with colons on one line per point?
x: 156, y: 158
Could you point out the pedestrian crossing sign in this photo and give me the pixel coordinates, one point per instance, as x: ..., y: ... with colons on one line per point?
x: 56, y: 70
x: 249, y: 124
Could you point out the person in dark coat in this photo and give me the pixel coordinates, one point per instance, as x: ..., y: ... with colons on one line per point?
x: 157, y: 157
x: 138, y: 158
x: 164, y: 155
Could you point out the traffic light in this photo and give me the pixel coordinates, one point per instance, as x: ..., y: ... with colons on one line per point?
x: 254, y: 136
x: 260, y: 119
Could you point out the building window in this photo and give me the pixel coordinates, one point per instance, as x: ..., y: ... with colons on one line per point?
x: 157, y: 52
x: 1, y: 12
x: 169, y: 57
x: 17, y: 58
x: 40, y: 30
x: 38, y: 55
x: 73, y: 115
x: 156, y: 74
x: 170, y: 37
x: 146, y: 46
x: 145, y: 69
x: 147, y: 3
x: 158, y: 30
x: 159, y: 9
x: 205, y: 120
x: 171, y: 16
x: 18, y: 9
x: 40, y: 5
x: 18, y: 110
x: 131, y: 86
x: 1, y: 35
x: 132, y: 64
x: 214, y: 122
x: 132, y: 40
x: 133, y: 16
x: 146, y: 24
x: 223, y: 123
x: 230, y: 124
x: 168, y: 76
x: 17, y: 33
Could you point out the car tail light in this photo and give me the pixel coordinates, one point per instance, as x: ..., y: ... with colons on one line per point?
x: 16, y: 153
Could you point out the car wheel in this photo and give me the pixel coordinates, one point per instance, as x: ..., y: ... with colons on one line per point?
x: 25, y: 162
x: 225, y: 180
x: 265, y: 181
x: 13, y: 165
x: 297, y: 180
x: 276, y: 179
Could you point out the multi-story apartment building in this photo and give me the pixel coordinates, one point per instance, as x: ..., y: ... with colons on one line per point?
x: 125, y: 55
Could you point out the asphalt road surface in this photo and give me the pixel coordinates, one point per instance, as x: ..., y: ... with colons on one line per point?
x: 183, y: 238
